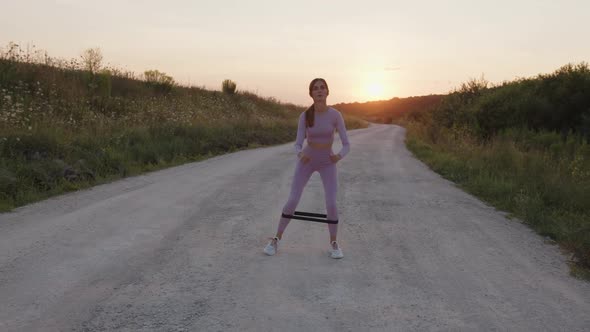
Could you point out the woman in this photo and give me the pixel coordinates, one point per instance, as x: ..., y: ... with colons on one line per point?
x: 317, y: 124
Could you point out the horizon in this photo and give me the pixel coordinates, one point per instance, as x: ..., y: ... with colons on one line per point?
x: 370, y: 53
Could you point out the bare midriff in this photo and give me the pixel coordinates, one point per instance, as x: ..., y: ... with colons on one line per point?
x: 319, y: 145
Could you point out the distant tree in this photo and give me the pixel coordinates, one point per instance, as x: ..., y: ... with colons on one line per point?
x: 92, y: 59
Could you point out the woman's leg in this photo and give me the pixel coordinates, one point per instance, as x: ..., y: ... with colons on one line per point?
x: 302, y: 174
x: 330, y: 182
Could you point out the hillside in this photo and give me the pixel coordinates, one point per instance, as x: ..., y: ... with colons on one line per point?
x: 523, y: 146
x: 65, y: 127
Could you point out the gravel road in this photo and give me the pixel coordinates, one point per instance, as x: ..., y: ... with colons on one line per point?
x: 181, y: 250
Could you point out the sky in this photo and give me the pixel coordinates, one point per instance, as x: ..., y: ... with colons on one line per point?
x: 366, y: 50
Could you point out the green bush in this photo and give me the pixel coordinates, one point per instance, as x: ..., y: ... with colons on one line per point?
x: 159, y: 81
x: 8, y: 184
x: 228, y: 86
x: 558, y: 102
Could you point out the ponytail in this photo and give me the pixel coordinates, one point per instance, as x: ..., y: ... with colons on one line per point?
x: 310, y: 116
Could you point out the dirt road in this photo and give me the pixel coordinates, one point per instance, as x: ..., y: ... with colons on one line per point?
x: 181, y: 250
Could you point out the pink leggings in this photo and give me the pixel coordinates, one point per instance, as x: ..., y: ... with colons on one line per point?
x: 320, y: 161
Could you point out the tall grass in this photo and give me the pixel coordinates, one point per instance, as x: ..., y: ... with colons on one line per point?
x: 540, y: 175
x: 64, y: 128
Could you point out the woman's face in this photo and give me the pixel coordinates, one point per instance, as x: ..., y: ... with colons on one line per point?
x: 319, y: 91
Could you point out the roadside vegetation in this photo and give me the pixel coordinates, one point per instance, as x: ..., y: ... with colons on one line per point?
x: 523, y: 146
x: 72, y: 124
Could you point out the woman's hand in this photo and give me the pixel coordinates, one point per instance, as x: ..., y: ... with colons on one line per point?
x: 304, y: 159
x: 335, y: 158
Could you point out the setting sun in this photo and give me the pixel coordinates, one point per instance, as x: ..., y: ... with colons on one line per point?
x: 374, y: 85
x: 375, y: 91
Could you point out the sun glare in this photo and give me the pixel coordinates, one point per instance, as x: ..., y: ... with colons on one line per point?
x: 375, y: 91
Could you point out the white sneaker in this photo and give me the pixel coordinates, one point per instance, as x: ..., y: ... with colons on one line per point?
x: 335, y: 253
x: 272, y: 247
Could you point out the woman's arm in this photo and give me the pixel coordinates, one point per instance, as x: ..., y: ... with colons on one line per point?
x: 343, y: 136
x: 300, y: 134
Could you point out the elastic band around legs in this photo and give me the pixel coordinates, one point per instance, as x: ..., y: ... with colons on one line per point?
x: 317, y: 217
